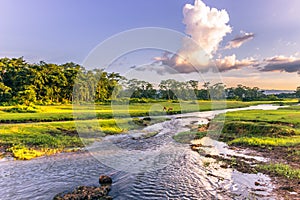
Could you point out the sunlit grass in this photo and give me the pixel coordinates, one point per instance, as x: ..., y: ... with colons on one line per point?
x: 267, y: 141
x: 23, y: 153
x: 65, y: 112
x: 283, y: 115
x: 53, y: 129
x: 44, y: 138
x: 263, y: 128
x: 282, y: 170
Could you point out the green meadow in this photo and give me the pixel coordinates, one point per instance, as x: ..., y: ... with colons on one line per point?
x: 65, y: 112
x: 263, y: 128
x: 26, y: 133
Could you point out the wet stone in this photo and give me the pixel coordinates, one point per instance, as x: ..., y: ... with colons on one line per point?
x: 89, y: 192
x: 104, y: 180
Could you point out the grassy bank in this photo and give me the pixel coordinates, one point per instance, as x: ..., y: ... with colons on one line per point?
x: 29, y: 140
x: 263, y: 128
x: 274, y: 134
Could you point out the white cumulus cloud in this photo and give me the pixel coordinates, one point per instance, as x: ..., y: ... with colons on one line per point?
x: 231, y: 62
x: 206, y: 26
x: 205, y: 29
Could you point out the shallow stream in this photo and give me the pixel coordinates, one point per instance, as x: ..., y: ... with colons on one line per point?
x: 141, y: 168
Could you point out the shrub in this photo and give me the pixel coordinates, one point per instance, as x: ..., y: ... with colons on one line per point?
x: 23, y: 109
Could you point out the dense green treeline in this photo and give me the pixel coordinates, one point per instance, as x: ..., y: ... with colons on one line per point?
x: 47, y: 83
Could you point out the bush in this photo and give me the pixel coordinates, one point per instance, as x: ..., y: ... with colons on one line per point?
x: 138, y: 100
x: 23, y: 109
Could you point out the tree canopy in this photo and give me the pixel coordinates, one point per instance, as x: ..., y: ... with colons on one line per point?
x: 45, y: 83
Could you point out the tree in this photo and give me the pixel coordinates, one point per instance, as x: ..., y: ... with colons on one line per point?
x: 139, y: 89
x: 206, y: 86
x: 15, y: 74
x: 192, y: 89
x: 168, y: 89
x: 26, y: 96
x: 217, y: 91
x: 5, y: 93
x: 298, y: 92
x: 70, y: 71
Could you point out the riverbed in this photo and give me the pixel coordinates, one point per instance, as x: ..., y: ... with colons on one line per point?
x: 141, y: 168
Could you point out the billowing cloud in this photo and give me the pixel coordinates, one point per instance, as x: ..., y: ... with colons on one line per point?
x: 281, y: 63
x: 230, y: 62
x: 205, y: 29
x: 183, y: 66
x: 206, y: 26
x: 239, y: 40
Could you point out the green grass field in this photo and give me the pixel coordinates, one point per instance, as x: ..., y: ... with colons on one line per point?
x: 263, y: 128
x: 65, y: 112
x: 43, y: 138
x: 51, y: 129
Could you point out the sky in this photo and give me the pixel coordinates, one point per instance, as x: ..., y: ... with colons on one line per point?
x: 250, y: 42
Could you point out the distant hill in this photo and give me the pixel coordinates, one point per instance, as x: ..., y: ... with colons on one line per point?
x: 268, y: 92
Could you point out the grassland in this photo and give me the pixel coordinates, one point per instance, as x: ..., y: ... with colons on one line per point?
x: 65, y: 112
x: 45, y: 138
x: 263, y: 128
x: 49, y: 129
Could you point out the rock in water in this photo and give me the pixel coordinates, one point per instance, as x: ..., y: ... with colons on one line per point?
x: 86, y: 193
x: 89, y: 192
x: 105, y: 180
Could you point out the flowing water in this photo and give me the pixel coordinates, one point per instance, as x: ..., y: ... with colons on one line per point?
x: 141, y: 168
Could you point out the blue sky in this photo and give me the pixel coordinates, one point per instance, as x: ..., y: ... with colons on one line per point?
x: 63, y: 30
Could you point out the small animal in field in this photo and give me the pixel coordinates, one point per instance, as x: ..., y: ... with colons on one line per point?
x: 167, y: 109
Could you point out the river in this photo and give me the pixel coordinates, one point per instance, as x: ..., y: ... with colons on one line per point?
x: 141, y: 168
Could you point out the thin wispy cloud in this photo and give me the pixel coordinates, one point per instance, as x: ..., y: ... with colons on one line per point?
x: 159, y: 69
x: 239, y: 40
x: 282, y: 63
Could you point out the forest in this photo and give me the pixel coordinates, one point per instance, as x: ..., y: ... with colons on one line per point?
x: 47, y: 83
